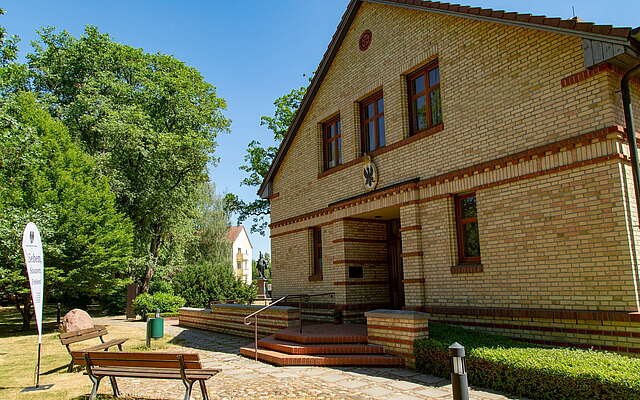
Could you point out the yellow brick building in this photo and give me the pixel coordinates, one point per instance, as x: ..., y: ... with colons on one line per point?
x: 468, y: 163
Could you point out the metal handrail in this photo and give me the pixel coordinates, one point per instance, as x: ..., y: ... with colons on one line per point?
x: 254, y: 315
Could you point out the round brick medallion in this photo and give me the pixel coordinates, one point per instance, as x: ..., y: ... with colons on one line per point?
x: 365, y: 40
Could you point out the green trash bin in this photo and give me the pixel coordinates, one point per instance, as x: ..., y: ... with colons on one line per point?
x: 155, y: 328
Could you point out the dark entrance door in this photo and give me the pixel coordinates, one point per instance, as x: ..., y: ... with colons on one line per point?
x: 394, y: 246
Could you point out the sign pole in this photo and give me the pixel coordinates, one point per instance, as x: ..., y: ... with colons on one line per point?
x: 32, y: 248
x: 38, y: 366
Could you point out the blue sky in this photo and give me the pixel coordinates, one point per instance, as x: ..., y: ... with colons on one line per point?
x: 253, y: 51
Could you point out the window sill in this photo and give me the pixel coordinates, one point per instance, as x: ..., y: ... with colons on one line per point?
x: 315, y: 278
x: 467, y: 269
x: 426, y: 132
x: 334, y: 169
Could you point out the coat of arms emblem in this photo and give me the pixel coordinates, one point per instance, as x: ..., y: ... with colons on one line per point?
x: 369, y: 174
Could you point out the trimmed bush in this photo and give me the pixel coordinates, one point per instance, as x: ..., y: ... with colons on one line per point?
x: 148, y: 303
x: 533, y: 371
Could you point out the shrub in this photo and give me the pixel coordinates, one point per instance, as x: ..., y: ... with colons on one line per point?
x: 201, y: 283
x: 534, y: 371
x: 148, y: 303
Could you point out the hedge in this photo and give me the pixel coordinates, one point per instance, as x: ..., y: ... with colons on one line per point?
x: 147, y: 303
x: 530, y: 370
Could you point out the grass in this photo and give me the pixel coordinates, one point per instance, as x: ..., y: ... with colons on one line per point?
x: 18, y: 358
x: 534, y: 371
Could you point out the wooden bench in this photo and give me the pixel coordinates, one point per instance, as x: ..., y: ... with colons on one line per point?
x: 69, y: 338
x: 183, y: 366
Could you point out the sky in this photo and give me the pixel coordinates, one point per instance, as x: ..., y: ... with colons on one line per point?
x: 253, y: 51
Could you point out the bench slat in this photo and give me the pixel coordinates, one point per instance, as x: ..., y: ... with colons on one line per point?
x: 146, y: 364
x: 85, y: 336
x: 138, y: 359
x: 105, y: 345
x: 135, y: 355
x: 65, y: 335
x: 156, y: 373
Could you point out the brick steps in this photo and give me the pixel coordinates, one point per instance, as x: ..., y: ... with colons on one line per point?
x: 324, y: 344
x: 283, y: 346
x: 283, y: 359
x: 325, y: 333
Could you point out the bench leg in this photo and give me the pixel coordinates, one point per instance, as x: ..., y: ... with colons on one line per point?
x: 114, y: 386
x: 70, y: 368
x: 203, y: 388
x: 120, y: 347
x: 188, y: 388
x: 94, y: 389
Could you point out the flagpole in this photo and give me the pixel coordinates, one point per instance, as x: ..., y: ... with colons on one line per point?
x: 38, y: 365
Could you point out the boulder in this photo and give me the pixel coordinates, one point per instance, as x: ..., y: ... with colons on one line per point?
x: 76, y: 320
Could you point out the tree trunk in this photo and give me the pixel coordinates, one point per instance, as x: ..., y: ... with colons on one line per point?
x: 25, y: 312
x: 154, y: 250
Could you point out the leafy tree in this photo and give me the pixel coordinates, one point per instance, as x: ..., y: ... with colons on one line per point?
x: 14, y: 76
x: 202, y: 283
x: 149, y: 120
x: 46, y: 178
x: 258, y: 159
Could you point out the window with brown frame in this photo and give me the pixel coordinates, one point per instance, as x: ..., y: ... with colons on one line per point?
x: 332, y: 143
x: 467, y: 229
x: 372, y: 123
x: 316, y: 239
x: 425, y: 108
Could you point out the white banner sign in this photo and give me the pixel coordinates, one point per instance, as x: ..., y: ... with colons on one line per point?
x: 32, y: 248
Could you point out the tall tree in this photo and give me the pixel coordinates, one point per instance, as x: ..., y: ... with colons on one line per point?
x: 258, y: 159
x: 46, y: 178
x: 148, y: 119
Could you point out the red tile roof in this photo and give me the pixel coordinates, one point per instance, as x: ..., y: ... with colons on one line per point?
x: 514, y: 16
x: 234, y: 232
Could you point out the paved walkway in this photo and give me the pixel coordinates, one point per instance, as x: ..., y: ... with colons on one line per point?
x: 243, y: 378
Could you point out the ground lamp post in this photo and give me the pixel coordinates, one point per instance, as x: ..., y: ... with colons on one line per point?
x: 459, y: 382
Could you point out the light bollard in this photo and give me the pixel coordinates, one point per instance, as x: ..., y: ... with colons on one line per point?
x: 459, y: 382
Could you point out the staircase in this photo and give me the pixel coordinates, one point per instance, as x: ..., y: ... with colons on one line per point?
x: 321, y: 345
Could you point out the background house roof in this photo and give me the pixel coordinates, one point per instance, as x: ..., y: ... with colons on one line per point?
x: 235, y: 231
x: 619, y: 35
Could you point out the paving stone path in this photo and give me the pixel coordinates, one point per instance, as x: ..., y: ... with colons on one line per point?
x: 243, y: 378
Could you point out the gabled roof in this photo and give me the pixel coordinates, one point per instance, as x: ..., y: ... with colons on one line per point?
x: 622, y: 36
x: 235, y: 231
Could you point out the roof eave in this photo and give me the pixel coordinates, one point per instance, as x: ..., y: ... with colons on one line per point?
x: 341, y: 31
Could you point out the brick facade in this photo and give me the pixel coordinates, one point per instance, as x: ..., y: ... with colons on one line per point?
x: 536, y: 138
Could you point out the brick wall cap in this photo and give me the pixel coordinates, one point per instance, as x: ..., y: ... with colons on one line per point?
x: 194, y: 309
x: 255, y: 307
x: 399, y: 314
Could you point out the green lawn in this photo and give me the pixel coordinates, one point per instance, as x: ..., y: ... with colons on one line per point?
x: 18, y: 358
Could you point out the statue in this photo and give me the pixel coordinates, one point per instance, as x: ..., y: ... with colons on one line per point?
x: 261, y: 266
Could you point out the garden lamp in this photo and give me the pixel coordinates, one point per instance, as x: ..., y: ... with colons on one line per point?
x: 459, y: 382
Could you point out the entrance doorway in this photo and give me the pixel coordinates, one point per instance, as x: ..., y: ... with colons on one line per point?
x: 394, y: 248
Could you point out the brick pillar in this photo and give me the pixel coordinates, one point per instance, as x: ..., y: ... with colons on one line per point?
x: 411, y: 230
x: 334, y: 258
x: 396, y: 331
